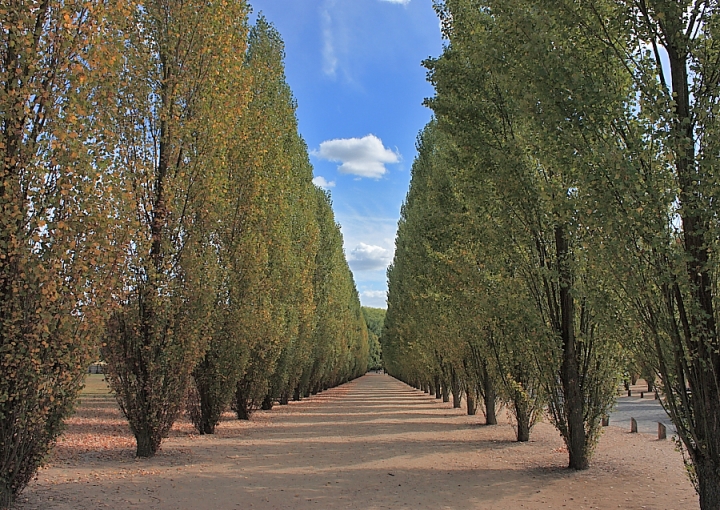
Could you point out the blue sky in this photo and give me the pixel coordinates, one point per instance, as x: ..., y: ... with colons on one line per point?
x: 354, y: 68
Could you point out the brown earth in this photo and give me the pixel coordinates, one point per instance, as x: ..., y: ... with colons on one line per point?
x: 372, y: 443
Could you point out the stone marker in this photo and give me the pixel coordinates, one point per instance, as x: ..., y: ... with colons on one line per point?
x: 662, y: 431
x: 633, y: 425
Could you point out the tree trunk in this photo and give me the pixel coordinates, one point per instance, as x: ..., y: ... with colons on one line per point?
x: 297, y: 395
x: 145, y: 444
x: 523, y: 431
x: 708, y: 477
x: 208, y: 427
x: 267, y: 403
x: 438, y: 390
x: 490, y: 397
x: 445, y: 393
x: 457, y: 398
x: 471, y: 402
x: 211, y: 407
x: 572, y: 405
x: 456, y: 390
x: 6, y: 495
x: 207, y: 423
x: 523, y: 420
x: 240, y: 403
x: 702, y: 420
x: 242, y: 412
x: 284, y: 399
x: 431, y: 387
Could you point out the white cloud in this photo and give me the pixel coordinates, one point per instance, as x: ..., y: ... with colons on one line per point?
x: 366, y: 257
x: 330, y: 60
x: 364, y: 157
x: 374, y: 294
x: 323, y: 183
x: 374, y: 298
x: 402, y: 2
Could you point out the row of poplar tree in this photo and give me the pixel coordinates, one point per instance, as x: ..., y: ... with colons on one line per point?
x: 563, y: 217
x: 157, y: 211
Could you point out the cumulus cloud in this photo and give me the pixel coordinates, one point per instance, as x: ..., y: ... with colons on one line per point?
x: 374, y: 298
x: 374, y: 294
x: 366, y: 257
x: 364, y: 157
x: 323, y: 183
x: 402, y: 2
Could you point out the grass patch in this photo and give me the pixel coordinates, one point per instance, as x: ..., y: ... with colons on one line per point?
x: 95, y: 385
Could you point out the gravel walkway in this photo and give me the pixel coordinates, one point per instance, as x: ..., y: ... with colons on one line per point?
x: 370, y: 444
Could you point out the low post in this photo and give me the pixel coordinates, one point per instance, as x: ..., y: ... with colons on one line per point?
x: 633, y: 426
x: 642, y: 394
x: 605, y: 421
x: 662, y: 431
x: 629, y: 393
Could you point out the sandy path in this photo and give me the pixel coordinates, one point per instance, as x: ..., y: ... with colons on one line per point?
x: 372, y: 443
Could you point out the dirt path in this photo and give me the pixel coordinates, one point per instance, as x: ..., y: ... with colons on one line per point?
x: 373, y: 443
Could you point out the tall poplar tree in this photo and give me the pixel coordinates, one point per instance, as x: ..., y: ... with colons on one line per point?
x: 177, y: 62
x: 655, y: 187
x: 277, y: 230
x: 57, y: 237
x: 496, y: 104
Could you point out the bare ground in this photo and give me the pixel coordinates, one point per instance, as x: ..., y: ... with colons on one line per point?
x: 372, y: 443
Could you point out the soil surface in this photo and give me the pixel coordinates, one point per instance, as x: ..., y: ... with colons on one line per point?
x: 369, y: 444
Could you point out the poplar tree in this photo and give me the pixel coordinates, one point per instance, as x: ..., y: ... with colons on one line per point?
x: 58, y: 239
x: 340, y: 340
x: 497, y: 108
x: 177, y: 62
x: 655, y: 188
x: 277, y: 231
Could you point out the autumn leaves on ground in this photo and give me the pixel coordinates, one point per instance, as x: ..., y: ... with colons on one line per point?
x: 371, y: 443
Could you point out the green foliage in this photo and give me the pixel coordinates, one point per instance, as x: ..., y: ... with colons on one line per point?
x: 529, y: 182
x: 612, y: 149
x: 374, y: 318
x: 340, y: 340
x: 498, y: 221
x: 658, y: 219
x: 301, y: 328
x: 276, y: 234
